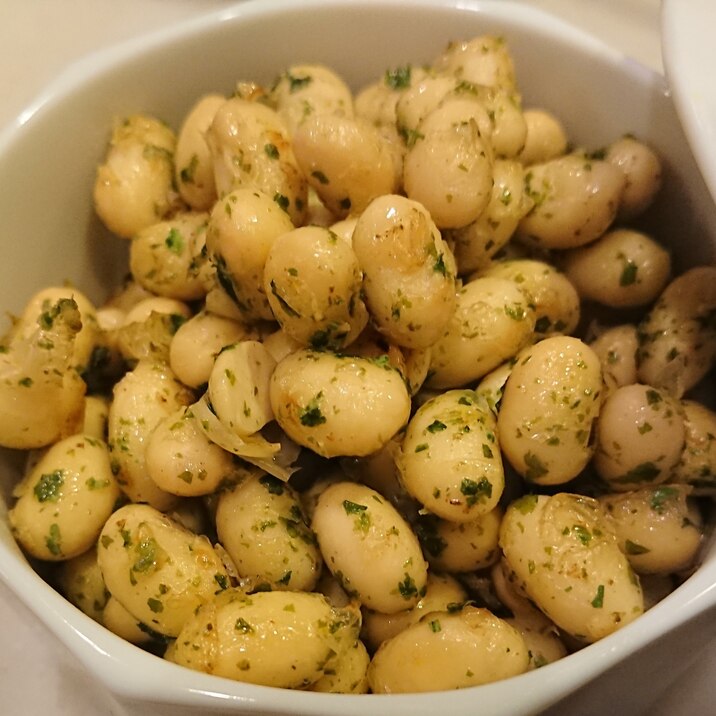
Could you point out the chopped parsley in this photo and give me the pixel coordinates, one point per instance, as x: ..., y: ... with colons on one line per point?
x: 653, y: 397
x: 433, y: 543
x: 582, y: 534
x: 436, y: 426
x: 516, y: 312
x: 241, y: 625
x: 661, y: 496
x: 272, y: 484
x: 598, y: 601
x: 54, y: 540
x: 281, y: 200
x: 47, y: 488
x: 187, y: 173
x: 353, y: 508
x: 146, y: 555
x: 439, y: 265
x: 174, y: 241
x: 399, y: 78
x: 222, y: 580
x: 634, y: 548
x: 476, y: 491
x: 410, y: 136
x: 526, y: 504
x: 644, y: 472
x: 311, y: 415
x: 535, y: 467
x: 407, y: 587
x: 155, y: 605
x: 628, y: 275
x: 296, y: 83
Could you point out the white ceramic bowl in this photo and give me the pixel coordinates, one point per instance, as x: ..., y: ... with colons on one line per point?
x: 47, y: 163
x: 689, y: 54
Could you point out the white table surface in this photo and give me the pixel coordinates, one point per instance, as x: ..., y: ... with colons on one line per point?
x: 37, y: 39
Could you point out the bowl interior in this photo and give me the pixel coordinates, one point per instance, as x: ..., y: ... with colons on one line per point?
x: 47, y: 164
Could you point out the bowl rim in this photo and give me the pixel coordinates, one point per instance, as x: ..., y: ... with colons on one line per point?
x: 683, y: 55
x: 127, y: 670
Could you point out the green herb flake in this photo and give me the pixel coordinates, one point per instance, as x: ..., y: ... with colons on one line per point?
x: 271, y: 151
x: 440, y: 267
x: 281, y: 200
x: 628, y: 275
x: 476, y: 491
x: 644, y: 472
x: 410, y: 136
x: 272, y: 484
x: 53, y: 541
x: 146, y: 551
x: 174, y: 241
x: 535, y: 467
x: 516, y: 312
x: 486, y: 450
x: 525, y: 504
x: 222, y: 580
x: 126, y: 537
x: 241, y: 625
x: 582, y: 534
x: 92, y: 483
x: 399, y: 78
x: 436, y: 426
x: 645, y: 428
x: 634, y: 548
x: 186, y: 175
x: 421, y: 447
x: 432, y: 542
x: 661, y: 496
x: 407, y: 587
x: 47, y: 488
x: 353, y: 508
x: 598, y: 601
x: 311, y: 415
x: 435, y: 626
x: 155, y: 605
x: 25, y: 382
x: 296, y: 83
x: 653, y: 397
